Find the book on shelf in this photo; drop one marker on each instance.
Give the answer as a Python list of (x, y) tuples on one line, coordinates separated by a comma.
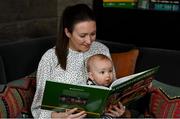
[(165, 5), (94, 99), (143, 4), (120, 4), (119, 0)]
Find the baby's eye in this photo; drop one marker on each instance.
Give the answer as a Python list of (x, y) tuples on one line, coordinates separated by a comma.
[(110, 71), (102, 72)]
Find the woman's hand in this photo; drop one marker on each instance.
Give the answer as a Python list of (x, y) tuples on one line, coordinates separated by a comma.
[(116, 110), (70, 114)]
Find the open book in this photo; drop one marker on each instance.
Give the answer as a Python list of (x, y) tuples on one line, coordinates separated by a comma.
[(94, 99)]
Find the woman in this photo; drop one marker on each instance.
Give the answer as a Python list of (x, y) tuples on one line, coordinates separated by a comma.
[(65, 62)]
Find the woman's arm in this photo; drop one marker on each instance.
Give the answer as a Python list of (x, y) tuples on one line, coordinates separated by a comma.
[(43, 73)]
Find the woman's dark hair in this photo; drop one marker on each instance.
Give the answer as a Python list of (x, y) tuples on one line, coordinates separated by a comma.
[(70, 17)]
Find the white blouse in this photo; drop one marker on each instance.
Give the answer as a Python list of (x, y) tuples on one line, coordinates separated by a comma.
[(75, 73)]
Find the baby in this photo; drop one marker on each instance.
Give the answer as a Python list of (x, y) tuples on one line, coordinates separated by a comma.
[(100, 72)]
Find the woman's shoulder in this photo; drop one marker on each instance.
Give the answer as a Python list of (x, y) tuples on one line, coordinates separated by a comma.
[(98, 48), (99, 45), (49, 53)]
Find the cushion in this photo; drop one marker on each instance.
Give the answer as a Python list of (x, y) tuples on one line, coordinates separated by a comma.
[(11, 103), (16, 98), (125, 62), (164, 101)]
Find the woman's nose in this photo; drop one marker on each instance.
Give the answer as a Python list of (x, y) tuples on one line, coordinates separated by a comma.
[(88, 40)]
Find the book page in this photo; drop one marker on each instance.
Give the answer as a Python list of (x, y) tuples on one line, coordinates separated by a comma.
[(132, 87), (126, 78)]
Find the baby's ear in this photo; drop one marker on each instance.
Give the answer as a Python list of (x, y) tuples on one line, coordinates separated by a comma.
[(90, 75)]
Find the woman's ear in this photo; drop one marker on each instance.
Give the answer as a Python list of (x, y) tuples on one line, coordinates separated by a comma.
[(68, 34)]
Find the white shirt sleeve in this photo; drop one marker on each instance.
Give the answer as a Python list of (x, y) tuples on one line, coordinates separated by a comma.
[(43, 73)]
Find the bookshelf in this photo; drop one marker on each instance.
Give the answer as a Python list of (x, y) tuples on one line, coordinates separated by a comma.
[(142, 27)]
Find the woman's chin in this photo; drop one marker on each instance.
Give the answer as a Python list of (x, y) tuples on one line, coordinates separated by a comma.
[(84, 49)]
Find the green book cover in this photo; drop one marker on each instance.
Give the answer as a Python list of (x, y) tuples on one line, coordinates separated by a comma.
[(120, 4), (94, 99), (61, 96)]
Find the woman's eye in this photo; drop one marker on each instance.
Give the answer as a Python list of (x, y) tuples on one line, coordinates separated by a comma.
[(93, 34), (82, 36), (110, 71)]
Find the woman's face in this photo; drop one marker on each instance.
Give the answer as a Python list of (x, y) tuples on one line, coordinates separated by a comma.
[(82, 36)]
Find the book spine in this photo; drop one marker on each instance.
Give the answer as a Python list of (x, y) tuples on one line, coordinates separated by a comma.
[(119, 0), (166, 1), (143, 4), (120, 4), (165, 5)]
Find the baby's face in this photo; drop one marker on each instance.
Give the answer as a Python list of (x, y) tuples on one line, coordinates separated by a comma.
[(102, 72)]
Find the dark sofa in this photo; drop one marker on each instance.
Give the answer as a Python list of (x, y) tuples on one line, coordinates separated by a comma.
[(19, 59), (168, 60)]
